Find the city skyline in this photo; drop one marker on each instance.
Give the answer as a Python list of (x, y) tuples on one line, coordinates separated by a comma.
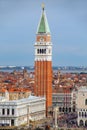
[(18, 25)]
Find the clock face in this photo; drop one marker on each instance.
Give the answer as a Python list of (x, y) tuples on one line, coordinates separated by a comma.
[(41, 39)]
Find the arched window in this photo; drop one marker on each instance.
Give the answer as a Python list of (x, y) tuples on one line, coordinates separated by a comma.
[(44, 51), (85, 114), (63, 109), (79, 113), (82, 114), (59, 109), (66, 109), (40, 51), (37, 51), (81, 123), (70, 109), (86, 102), (86, 123)]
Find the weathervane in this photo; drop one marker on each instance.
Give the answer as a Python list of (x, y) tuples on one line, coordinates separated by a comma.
[(43, 6)]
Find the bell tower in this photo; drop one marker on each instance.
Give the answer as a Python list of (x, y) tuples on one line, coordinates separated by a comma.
[(43, 60)]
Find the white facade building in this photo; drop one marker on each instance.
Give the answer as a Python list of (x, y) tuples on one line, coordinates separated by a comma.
[(81, 104), (18, 112)]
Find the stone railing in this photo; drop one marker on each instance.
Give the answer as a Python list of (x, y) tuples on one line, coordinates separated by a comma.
[(68, 129)]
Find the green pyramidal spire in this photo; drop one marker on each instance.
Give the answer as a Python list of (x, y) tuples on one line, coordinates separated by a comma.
[(43, 26)]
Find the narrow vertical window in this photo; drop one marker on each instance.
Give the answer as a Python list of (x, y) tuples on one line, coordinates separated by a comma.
[(37, 51), (40, 51), (7, 111), (12, 111), (12, 122), (86, 102), (45, 51), (3, 111), (80, 114)]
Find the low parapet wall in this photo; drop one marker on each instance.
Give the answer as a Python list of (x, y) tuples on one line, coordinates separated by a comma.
[(71, 129)]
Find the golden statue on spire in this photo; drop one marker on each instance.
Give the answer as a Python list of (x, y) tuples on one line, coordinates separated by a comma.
[(43, 6)]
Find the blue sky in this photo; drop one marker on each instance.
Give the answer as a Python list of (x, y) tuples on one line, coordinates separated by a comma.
[(68, 24)]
